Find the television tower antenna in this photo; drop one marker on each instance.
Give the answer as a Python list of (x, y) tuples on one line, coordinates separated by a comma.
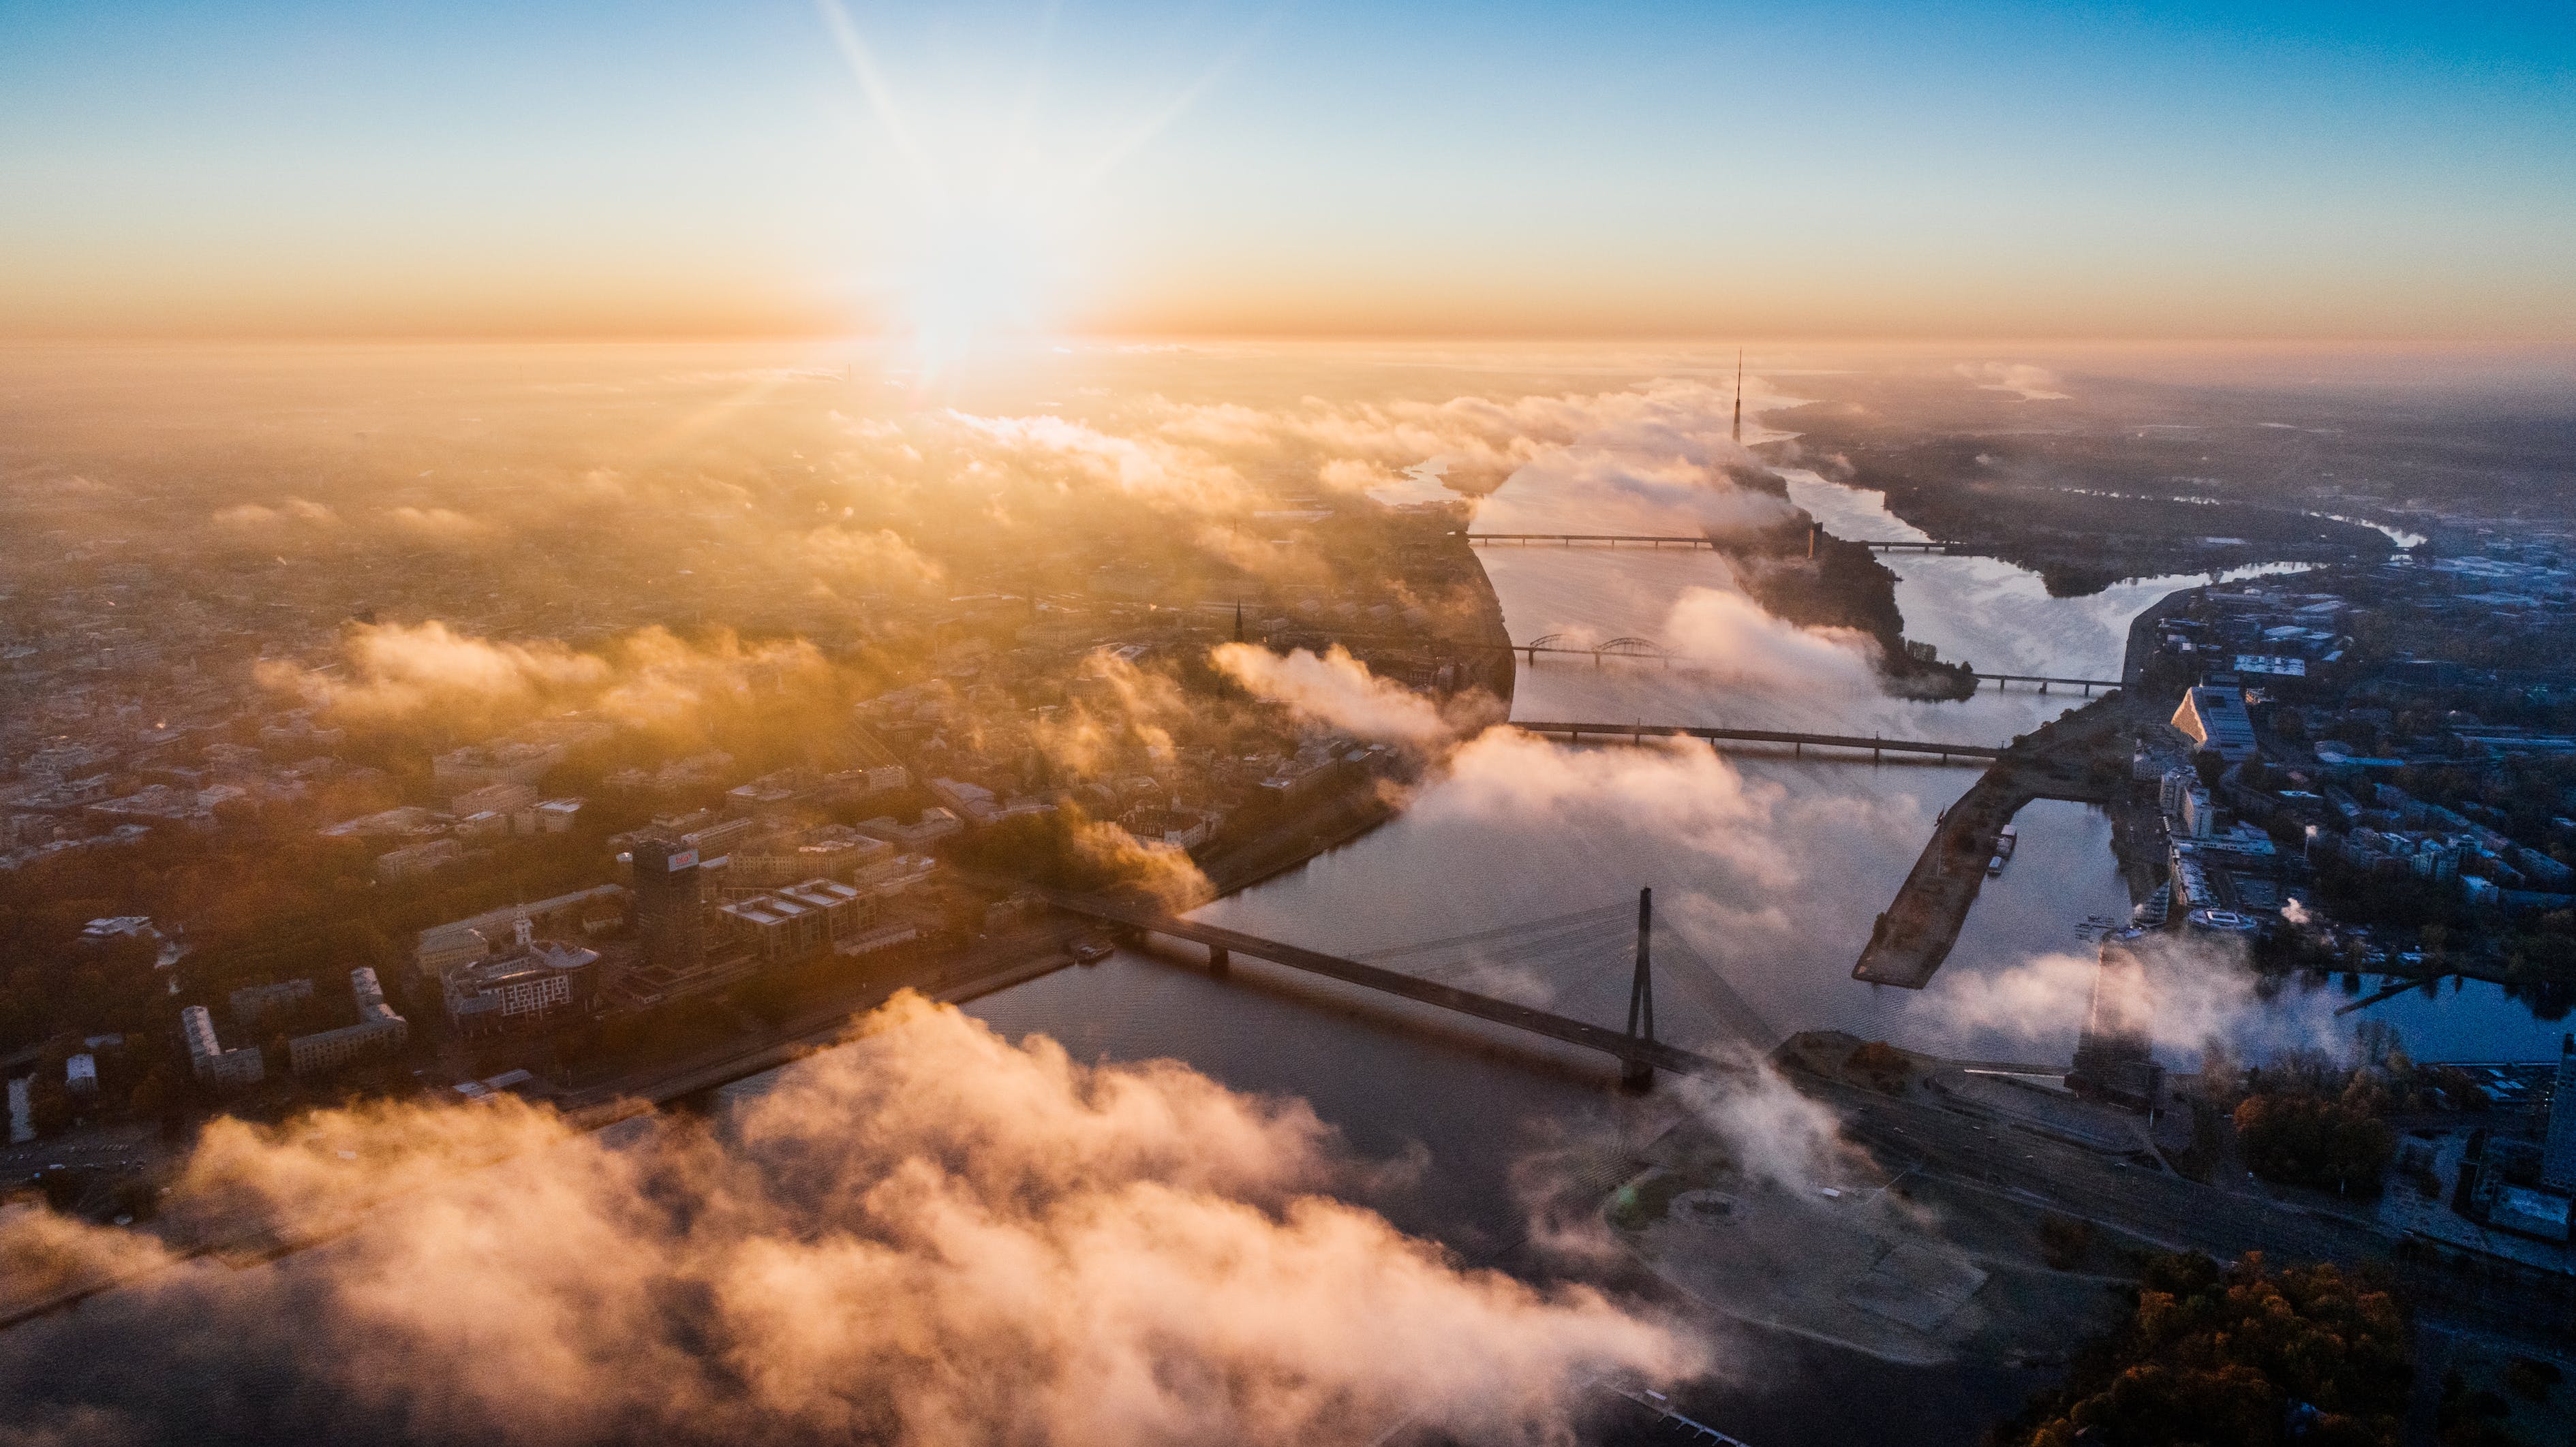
[(1739, 396)]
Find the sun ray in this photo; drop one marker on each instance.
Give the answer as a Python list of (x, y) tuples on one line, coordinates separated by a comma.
[(863, 65)]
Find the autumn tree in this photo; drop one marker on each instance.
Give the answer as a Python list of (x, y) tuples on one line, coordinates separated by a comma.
[(2236, 1356)]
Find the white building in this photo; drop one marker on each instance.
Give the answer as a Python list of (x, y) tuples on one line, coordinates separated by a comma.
[(537, 981)]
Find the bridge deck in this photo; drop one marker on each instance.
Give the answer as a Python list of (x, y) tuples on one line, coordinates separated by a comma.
[(2044, 678), (1696, 540), (1764, 736), (1627, 1048), (1877, 545)]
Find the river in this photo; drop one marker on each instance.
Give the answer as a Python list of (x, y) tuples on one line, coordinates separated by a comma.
[(1770, 869)]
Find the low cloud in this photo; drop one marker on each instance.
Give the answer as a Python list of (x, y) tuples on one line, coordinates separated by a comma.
[(1148, 467), (439, 524), (396, 669), (934, 1237), (1680, 791), (1164, 871), (1339, 690), (251, 517), (1777, 1133), (2194, 992), (878, 559), (1591, 488), (2031, 384), (399, 670), (1124, 708), (1728, 633)]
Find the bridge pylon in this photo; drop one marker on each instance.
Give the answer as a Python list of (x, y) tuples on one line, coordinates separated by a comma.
[(1637, 1074)]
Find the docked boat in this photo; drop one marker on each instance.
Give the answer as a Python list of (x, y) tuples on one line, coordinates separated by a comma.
[(1088, 951)]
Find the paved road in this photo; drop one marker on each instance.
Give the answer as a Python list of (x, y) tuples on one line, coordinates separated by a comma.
[(979, 971), (1991, 1154)]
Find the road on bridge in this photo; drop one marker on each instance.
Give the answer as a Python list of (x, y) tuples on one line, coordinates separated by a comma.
[(1639, 732), (1629, 1049)]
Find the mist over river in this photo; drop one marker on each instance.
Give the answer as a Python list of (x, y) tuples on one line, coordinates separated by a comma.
[(1769, 869)]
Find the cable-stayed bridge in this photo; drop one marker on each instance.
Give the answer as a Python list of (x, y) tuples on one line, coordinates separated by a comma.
[(1502, 958)]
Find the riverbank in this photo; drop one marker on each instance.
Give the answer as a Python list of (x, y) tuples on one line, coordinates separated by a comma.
[(2068, 758)]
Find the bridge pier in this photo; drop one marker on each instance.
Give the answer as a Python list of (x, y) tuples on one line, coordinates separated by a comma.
[(1220, 960)]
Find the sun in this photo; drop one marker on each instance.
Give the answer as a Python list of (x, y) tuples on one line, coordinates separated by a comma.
[(974, 279)]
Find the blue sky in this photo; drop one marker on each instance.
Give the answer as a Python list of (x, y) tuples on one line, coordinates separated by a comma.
[(1830, 170)]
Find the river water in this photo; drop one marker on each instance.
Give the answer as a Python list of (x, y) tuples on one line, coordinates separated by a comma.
[(1771, 869), (1768, 869)]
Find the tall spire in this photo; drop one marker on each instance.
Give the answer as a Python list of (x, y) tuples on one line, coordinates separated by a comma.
[(1739, 396)]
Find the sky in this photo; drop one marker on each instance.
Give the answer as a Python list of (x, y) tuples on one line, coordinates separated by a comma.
[(829, 167)]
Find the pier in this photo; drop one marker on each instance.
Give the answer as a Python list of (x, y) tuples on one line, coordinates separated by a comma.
[(1911, 939)]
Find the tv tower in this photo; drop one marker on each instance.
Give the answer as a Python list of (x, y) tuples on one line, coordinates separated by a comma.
[(1739, 396)]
